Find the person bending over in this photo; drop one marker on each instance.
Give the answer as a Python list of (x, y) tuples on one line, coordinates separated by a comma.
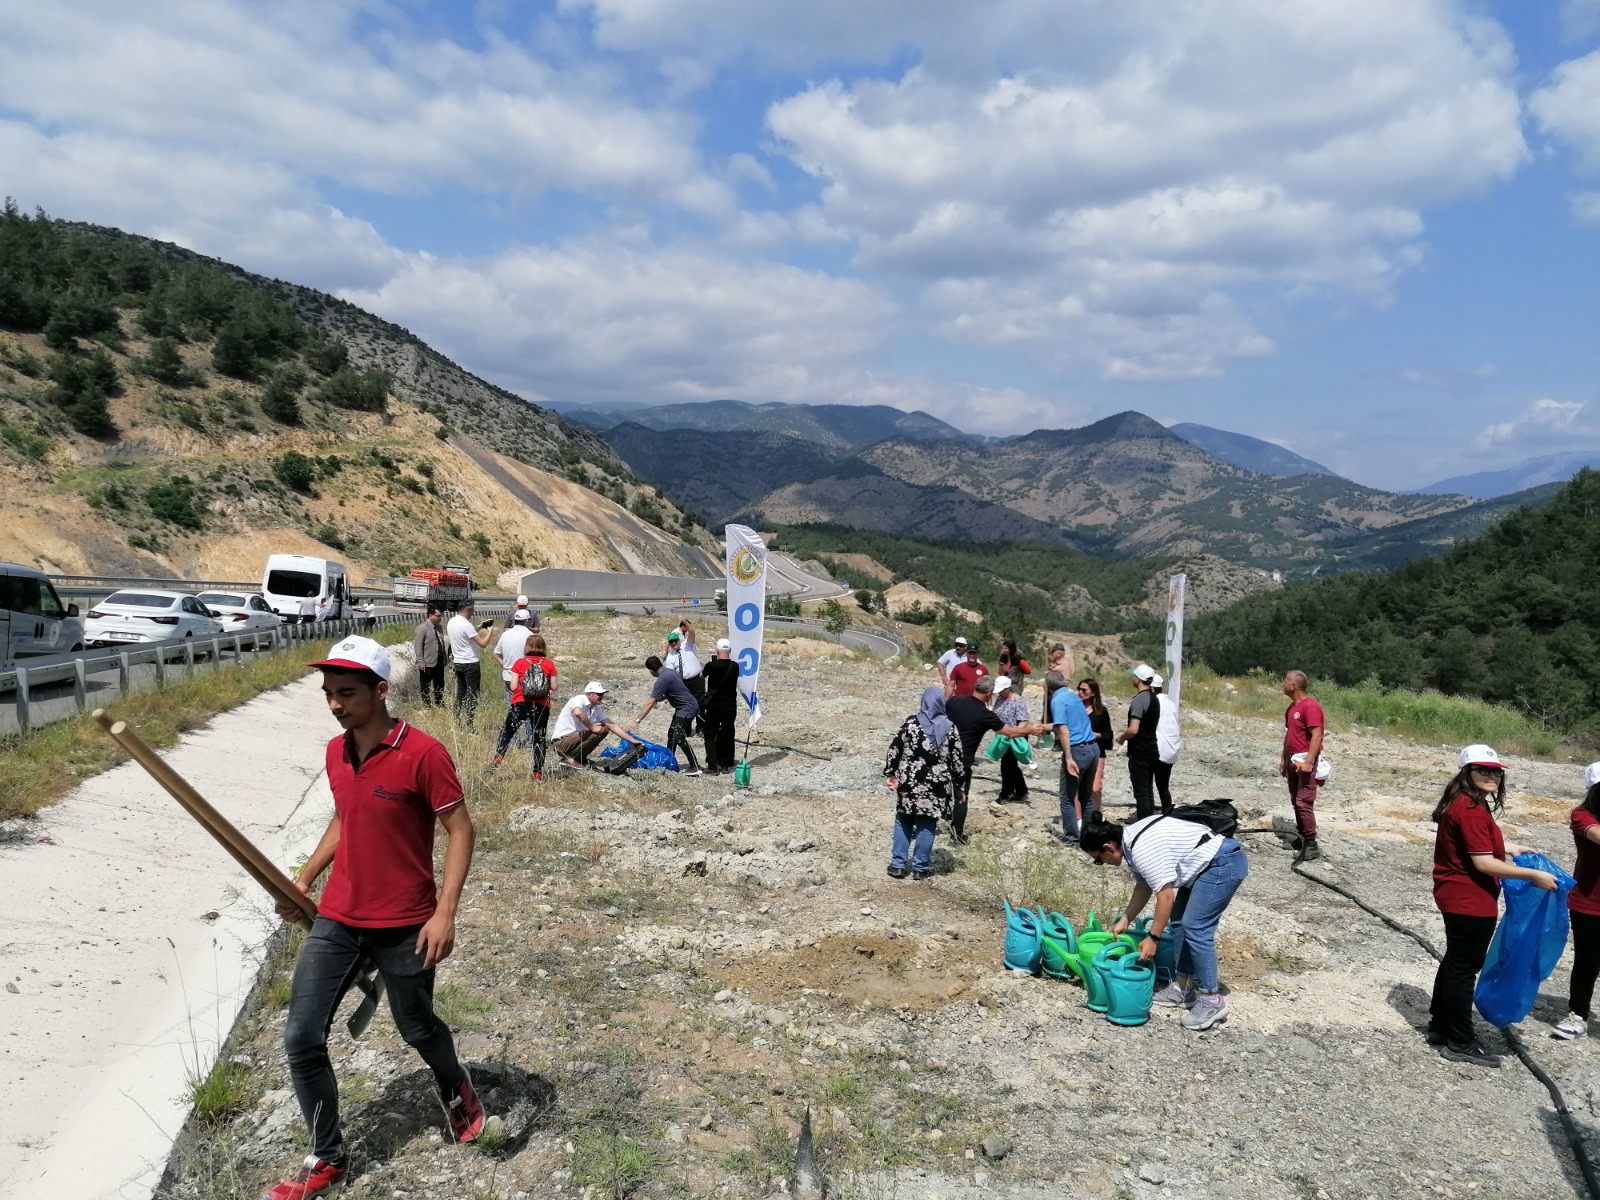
[(670, 687), (391, 785), (583, 725)]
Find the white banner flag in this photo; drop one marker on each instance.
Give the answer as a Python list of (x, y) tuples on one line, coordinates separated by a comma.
[(1174, 664), (747, 611)]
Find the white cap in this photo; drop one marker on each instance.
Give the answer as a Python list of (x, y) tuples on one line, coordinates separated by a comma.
[(520, 615), (1002, 683), (359, 653), (1591, 774), (724, 644), (961, 641), (1479, 755), (594, 685), (522, 602), (1144, 673), (1157, 681)]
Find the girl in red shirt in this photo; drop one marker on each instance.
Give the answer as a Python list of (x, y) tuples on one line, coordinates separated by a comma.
[(529, 704), (1469, 861), (1583, 909)]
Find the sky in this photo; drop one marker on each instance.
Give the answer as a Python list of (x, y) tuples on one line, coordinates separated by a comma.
[(1369, 231)]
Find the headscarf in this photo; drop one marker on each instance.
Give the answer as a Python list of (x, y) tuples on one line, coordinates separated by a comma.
[(932, 719)]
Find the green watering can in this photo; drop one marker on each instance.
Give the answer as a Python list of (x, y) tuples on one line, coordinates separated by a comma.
[(741, 774), (1091, 944), (1128, 984), (1060, 948)]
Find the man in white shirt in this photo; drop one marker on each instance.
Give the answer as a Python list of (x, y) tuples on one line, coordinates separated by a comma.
[(680, 656), (583, 725), (1168, 742), (1193, 873), (948, 660), (524, 613), (509, 648), (466, 639)]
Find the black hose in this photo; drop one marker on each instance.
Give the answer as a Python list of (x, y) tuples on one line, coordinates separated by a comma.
[(1574, 1138)]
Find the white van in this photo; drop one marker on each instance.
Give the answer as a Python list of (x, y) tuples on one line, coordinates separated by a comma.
[(33, 621), (300, 588)]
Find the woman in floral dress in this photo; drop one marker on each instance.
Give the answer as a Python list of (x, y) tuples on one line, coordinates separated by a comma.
[(924, 771)]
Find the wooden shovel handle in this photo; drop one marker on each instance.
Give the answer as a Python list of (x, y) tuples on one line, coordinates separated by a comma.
[(261, 868)]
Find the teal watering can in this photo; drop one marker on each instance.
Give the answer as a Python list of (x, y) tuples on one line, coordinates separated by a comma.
[(1024, 939), (1129, 984), (1060, 958), (1166, 960)]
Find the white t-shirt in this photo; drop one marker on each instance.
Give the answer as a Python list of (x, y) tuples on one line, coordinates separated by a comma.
[(463, 644), (1171, 853), (509, 648), (684, 661), (567, 723), (1168, 740), (950, 658)]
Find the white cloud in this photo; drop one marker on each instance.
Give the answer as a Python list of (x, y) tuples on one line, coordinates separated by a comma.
[(1568, 107), (1542, 417)]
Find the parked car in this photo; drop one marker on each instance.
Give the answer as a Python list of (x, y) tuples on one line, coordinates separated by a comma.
[(146, 616), (33, 621), (242, 612)]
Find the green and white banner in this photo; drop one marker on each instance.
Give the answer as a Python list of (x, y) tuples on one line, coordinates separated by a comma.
[(1174, 664), (747, 611)]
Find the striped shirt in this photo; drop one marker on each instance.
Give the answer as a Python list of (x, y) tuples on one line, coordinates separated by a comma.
[(1171, 853)]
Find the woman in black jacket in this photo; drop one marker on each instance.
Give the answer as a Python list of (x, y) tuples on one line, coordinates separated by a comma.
[(1100, 722)]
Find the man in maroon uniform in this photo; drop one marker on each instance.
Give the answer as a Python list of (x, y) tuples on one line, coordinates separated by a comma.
[(390, 783), (1303, 724)]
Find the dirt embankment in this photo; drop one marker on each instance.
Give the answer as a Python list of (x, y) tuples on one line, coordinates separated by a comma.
[(656, 976)]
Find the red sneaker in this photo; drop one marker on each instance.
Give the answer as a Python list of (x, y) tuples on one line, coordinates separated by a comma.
[(312, 1179), (465, 1113), (537, 777)]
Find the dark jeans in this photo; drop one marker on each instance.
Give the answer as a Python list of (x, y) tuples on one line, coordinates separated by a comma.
[(1087, 756), (721, 723), (469, 682), (1585, 961), (697, 689), (1013, 784), (1466, 943), (578, 746), (324, 972), (432, 681), (537, 718), (1142, 775), (1164, 785), (678, 736)]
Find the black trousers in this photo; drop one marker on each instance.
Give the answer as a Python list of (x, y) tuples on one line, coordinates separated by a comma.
[(324, 972), (1466, 944), (721, 722), (1585, 961), (1142, 775), (697, 689), (432, 682), (1164, 785), (1013, 784), (537, 718), (469, 682), (678, 735)]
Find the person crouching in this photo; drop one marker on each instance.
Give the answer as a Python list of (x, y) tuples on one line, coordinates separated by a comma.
[(1192, 872)]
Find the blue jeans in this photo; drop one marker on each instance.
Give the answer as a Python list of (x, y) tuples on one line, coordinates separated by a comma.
[(908, 826), (1200, 907), (1087, 756)]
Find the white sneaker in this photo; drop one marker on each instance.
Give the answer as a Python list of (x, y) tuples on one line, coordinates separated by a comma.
[(1173, 996), (1205, 1012), (691, 774), (1573, 1028)]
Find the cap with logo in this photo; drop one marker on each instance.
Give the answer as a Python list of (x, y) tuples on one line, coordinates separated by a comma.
[(594, 685), (359, 654), (1479, 755)]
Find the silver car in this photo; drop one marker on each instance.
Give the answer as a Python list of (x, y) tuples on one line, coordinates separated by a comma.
[(242, 612), (145, 615)]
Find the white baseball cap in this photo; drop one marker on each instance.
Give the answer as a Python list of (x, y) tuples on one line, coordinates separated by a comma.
[(724, 644), (1157, 681), (1002, 684), (961, 641), (359, 654), (594, 685), (1144, 673), (1479, 755), (1591, 774), (520, 615), (522, 601)]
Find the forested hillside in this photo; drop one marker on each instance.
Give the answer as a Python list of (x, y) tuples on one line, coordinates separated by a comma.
[(1510, 616)]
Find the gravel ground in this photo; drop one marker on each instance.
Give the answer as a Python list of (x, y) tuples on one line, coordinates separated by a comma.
[(655, 976)]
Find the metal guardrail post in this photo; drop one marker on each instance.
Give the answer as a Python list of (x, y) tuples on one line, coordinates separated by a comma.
[(161, 667), (80, 685), (238, 651), (216, 654), (188, 657), (24, 702), (124, 672)]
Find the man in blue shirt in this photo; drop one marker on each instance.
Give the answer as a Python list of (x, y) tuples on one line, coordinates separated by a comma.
[(1081, 752)]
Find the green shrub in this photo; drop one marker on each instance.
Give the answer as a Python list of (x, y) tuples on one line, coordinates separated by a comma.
[(176, 502), (329, 535), (29, 445), (295, 471), (163, 363), (357, 391)]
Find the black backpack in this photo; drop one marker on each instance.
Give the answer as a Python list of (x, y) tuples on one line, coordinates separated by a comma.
[(535, 683), (1219, 816)]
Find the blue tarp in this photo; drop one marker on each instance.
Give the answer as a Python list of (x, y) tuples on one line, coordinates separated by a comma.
[(1527, 944), (654, 756)]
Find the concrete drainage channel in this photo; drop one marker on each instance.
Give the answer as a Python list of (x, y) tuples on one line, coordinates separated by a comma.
[(62, 686)]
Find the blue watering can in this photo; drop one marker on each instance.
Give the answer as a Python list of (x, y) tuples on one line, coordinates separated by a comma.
[(1129, 984), (1024, 939), (1060, 959)]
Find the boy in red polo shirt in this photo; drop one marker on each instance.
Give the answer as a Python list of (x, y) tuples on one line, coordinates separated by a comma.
[(390, 783), (964, 676)]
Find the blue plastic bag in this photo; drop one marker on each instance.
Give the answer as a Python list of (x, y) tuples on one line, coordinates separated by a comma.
[(1527, 944), (654, 756)]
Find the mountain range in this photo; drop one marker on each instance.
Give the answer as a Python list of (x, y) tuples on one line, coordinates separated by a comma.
[(1530, 473), (838, 426), (1253, 454)]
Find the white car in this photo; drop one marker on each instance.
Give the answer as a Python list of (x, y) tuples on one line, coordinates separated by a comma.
[(145, 616), (242, 612)]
